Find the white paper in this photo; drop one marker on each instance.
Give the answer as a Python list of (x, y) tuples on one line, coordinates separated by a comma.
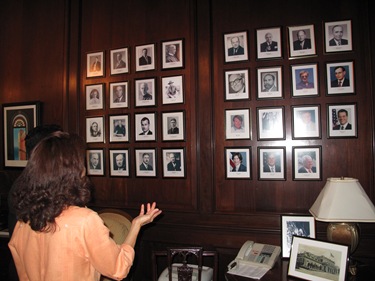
[(248, 270)]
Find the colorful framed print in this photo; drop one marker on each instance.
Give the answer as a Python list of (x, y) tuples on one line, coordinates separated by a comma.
[(119, 162), (269, 43), (145, 94), (119, 128), (95, 64), (270, 83), (305, 80), (173, 126), (301, 41), (342, 120), (95, 129), (145, 162), (94, 96), (270, 122), (145, 126), (172, 89), (95, 162), (340, 78), (237, 84), (307, 163), (119, 61), (306, 122), (338, 36), (173, 163), (237, 162), (235, 46), (271, 163), (145, 57), (238, 124), (119, 95), (172, 54)]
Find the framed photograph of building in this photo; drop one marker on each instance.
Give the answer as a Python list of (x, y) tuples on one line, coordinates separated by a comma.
[(342, 120), (94, 96), (119, 94), (340, 78), (238, 124), (269, 43), (237, 162), (119, 162), (307, 163), (95, 129), (95, 162), (305, 80), (235, 46), (173, 126), (119, 61), (306, 122), (301, 41), (270, 121), (145, 162), (172, 54), (145, 57), (145, 94), (119, 128), (145, 126), (338, 36), (271, 163), (270, 83), (237, 84), (95, 66), (173, 163), (172, 89)]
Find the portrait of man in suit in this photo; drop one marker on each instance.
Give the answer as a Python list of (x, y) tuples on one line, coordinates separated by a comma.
[(341, 79), (94, 161), (344, 124), (119, 62), (174, 163), (269, 45), (145, 125), (302, 41), (236, 48), (269, 82), (307, 164), (119, 162), (145, 59), (271, 165), (119, 95), (337, 36), (146, 165)]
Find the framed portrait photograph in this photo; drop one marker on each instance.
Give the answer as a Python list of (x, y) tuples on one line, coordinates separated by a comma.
[(95, 129), (237, 124), (307, 163), (145, 126), (172, 89), (342, 120), (306, 122), (237, 162), (338, 36), (145, 162), (119, 128), (95, 162), (145, 94), (270, 123), (271, 163), (237, 84), (145, 57), (173, 126), (119, 94), (172, 54), (95, 64), (269, 43), (302, 226), (94, 96), (19, 119), (312, 259), (173, 163), (235, 46), (301, 41), (119, 162), (340, 78), (270, 82), (305, 80), (119, 61)]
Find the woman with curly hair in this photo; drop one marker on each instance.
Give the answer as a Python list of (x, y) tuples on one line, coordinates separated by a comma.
[(56, 236)]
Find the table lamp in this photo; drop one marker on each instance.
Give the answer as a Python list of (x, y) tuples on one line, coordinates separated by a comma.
[(343, 203)]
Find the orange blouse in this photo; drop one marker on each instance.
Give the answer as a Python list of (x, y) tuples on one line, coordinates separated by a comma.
[(80, 249)]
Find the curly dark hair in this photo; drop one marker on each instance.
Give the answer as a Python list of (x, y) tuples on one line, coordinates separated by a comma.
[(53, 180)]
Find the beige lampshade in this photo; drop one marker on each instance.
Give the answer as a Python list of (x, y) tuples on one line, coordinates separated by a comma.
[(343, 200)]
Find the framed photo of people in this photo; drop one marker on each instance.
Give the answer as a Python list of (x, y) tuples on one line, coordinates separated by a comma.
[(119, 61), (145, 126), (305, 80), (119, 128), (172, 89), (235, 46), (119, 95), (270, 123), (172, 54), (307, 163), (270, 83), (173, 126), (173, 163), (145, 57), (145, 94), (237, 162), (269, 43), (94, 96), (301, 41), (95, 162), (237, 124), (306, 122), (237, 84), (271, 163), (340, 78), (119, 162), (342, 120), (145, 162), (95, 129), (338, 36), (95, 66)]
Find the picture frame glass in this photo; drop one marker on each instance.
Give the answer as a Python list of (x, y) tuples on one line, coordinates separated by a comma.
[(301, 41), (145, 129), (95, 129), (145, 160), (172, 89), (307, 163), (118, 94), (270, 83), (95, 162), (269, 43), (173, 126), (119, 162), (119, 61), (173, 163), (340, 78), (305, 80), (145, 94), (235, 47), (172, 54), (145, 57), (95, 65), (342, 120), (271, 123), (238, 125), (306, 122), (94, 96), (237, 84), (271, 163), (119, 128), (238, 163), (338, 36)]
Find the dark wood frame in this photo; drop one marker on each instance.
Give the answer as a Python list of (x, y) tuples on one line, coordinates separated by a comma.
[(262, 175), (122, 173)]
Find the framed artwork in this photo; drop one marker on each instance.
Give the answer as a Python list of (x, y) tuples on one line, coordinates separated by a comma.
[(119, 162), (338, 36), (145, 57), (95, 66), (306, 122), (238, 125), (235, 46), (237, 162), (172, 89), (237, 84), (305, 80), (301, 41), (270, 122), (173, 163), (312, 259), (119, 128), (119, 61), (269, 44), (173, 126), (145, 94), (271, 163), (342, 120), (172, 54), (270, 83), (95, 129), (340, 78), (145, 129), (94, 96), (118, 95), (19, 119), (145, 162), (95, 162), (302, 226), (307, 163)]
